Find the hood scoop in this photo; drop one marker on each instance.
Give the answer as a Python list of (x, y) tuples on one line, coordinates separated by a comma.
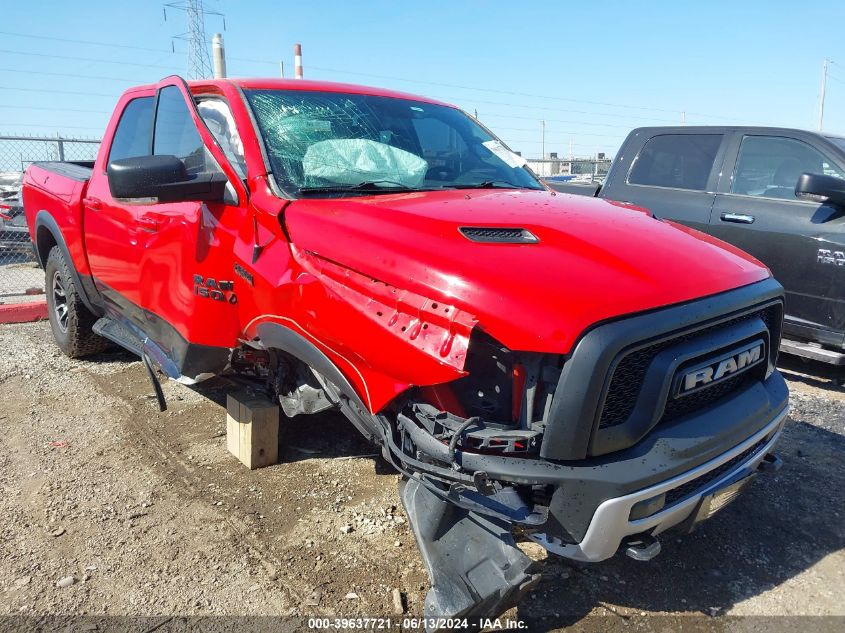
[(498, 235)]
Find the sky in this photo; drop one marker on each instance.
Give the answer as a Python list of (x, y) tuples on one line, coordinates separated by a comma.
[(591, 70)]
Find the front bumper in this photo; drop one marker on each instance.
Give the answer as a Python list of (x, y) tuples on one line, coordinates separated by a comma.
[(612, 524)]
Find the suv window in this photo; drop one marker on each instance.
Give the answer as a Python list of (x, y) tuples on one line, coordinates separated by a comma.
[(769, 166), (679, 161), (132, 136), (176, 134)]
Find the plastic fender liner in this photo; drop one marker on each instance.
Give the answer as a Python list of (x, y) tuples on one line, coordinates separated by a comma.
[(274, 335), (476, 570)]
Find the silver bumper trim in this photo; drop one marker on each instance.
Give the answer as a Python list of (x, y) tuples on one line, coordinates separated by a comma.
[(611, 523)]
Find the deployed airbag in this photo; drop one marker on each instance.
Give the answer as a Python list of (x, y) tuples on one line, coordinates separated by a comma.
[(350, 161)]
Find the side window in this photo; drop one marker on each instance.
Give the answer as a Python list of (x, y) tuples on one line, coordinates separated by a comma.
[(176, 134), (437, 138), (679, 161), (132, 136), (769, 166), (441, 146), (218, 117)]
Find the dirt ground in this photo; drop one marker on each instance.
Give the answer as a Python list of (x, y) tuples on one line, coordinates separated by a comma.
[(109, 507)]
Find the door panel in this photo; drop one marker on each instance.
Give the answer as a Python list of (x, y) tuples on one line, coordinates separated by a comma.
[(111, 239), (761, 215), (186, 263), (674, 175)]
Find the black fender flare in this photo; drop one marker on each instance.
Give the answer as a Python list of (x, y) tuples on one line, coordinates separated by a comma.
[(46, 222), (274, 335)]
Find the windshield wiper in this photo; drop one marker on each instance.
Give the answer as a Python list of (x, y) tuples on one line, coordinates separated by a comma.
[(369, 186), (488, 184)]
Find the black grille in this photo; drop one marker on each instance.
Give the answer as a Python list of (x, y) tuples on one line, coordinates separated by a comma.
[(499, 235), (629, 375), (700, 399), (694, 485)]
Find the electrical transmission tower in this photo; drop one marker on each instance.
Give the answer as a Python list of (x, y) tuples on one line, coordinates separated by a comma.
[(199, 59)]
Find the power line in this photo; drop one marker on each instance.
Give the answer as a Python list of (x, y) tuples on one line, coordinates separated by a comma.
[(86, 59), (126, 46), (835, 78), (493, 90), (110, 95), (12, 107), (97, 77), (52, 126), (523, 129), (393, 78), (90, 42), (522, 94), (554, 109), (487, 115)]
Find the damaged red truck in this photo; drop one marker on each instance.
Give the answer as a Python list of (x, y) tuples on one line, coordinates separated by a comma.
[(570, 369)]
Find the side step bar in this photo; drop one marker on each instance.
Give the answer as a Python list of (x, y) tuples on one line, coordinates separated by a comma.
[(118, 333), (126, 336), (813, 352), (476, 570)]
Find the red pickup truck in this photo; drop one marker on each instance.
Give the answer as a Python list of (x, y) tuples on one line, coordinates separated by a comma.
[(573, 367)]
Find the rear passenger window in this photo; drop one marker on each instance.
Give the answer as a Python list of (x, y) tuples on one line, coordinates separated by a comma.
[(769, 166), (679, 161), (177, 135), (132, 136)]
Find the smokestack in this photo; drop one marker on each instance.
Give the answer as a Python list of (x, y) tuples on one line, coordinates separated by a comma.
[(297, 60), (219, 55)]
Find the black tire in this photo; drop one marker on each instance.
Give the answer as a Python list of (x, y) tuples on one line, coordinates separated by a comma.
[(70, 320)]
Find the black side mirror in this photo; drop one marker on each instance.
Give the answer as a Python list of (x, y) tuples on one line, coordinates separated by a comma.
[(830, 188), (163, 178)]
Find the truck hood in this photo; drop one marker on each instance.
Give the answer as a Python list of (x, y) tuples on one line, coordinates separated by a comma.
[(594, 260)]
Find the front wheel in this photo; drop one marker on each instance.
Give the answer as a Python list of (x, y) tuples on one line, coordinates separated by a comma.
[(70, 320)]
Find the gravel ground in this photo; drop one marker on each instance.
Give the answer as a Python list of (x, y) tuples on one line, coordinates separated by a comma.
[(109, 507)]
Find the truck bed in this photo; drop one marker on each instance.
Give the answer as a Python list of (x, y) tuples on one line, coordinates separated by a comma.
[(55, 189), (577, 188), (75, 170)]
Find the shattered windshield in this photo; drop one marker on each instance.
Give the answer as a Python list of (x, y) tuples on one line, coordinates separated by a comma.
[(325, 143)]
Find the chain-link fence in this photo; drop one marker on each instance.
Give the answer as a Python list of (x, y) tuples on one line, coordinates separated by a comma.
[(20, 277), (575, 168)]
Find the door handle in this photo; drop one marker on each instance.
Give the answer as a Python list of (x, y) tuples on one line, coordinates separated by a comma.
[(92, 203), (149, 223), (738, 218)]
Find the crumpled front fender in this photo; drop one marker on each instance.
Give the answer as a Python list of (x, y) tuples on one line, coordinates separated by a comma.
[(382, 338)]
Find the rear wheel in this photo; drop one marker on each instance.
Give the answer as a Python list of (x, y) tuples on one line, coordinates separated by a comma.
[(70, 320)]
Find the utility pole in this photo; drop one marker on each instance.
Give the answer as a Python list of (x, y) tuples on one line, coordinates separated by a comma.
[(282, 68), (683, 117), (219, 55), (821, 94), (199, 60), (542, 139), (199, 64)]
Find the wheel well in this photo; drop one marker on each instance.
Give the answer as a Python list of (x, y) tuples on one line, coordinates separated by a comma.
[(44, 243)]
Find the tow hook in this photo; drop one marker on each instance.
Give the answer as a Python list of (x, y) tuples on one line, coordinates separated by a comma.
[(771, 463), (642, 547)]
